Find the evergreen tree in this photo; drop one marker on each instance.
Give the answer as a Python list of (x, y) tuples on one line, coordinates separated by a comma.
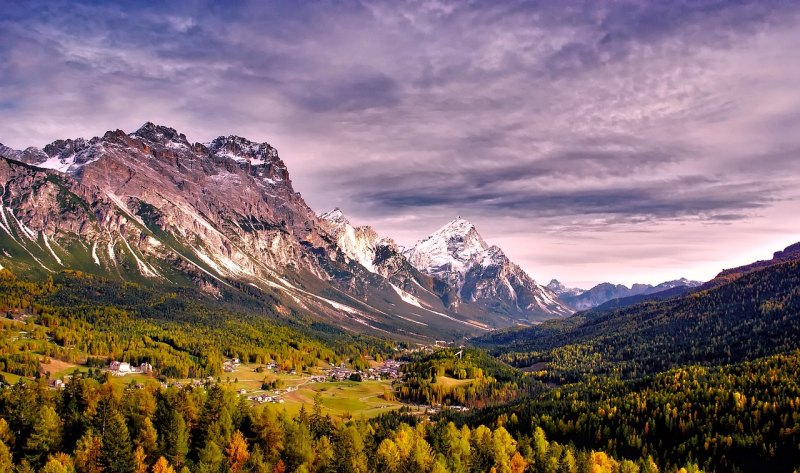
[(88, 452), (175, 439), (116, 454), (162, 466), (46, 436), (6, 462)]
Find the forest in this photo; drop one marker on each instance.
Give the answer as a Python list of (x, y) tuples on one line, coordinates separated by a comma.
[(94, 426), (706, 382), (479, 380), (180, 334), (753, 316)]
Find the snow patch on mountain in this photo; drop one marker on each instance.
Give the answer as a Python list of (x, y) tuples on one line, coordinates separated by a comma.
[(407, 298), (357, 243)]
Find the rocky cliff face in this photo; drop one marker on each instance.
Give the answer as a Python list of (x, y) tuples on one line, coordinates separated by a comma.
[(482, 275), (153, 207)]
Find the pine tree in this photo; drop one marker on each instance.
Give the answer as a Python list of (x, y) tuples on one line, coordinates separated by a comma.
[(299, 446), (46, 435), (6, 462), (210, 459), (116, 455), (350, 456), (175, 439), (147, 437)]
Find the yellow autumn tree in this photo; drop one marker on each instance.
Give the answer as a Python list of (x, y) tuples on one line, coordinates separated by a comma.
[(162, 466), (599, 462), (237, 452), (58, 463), (139, 460), (388, 456), (518, 463)]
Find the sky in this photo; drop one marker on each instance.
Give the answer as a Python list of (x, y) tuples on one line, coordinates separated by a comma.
[(592, 141)]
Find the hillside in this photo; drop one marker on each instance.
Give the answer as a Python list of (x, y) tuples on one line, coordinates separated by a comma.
[(755, 315)]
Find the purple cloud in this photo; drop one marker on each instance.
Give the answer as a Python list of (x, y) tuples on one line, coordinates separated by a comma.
[(577, 130)]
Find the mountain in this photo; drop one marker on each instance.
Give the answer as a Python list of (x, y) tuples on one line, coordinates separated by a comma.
[(604, 292), (151, 207), (560, 289), (483, 275), (639, 298), (382, 256), (754, 315), (790, 253)]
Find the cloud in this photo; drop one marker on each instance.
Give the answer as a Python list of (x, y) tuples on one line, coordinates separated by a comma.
[(580, 124)]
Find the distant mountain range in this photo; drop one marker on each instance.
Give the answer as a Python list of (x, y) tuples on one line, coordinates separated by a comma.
[(744, 313), (580, 299), (151, 207)]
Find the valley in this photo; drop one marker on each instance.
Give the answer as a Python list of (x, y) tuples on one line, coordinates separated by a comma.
[(184, 298)]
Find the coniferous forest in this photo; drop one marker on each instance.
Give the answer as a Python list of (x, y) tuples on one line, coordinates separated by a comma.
[(587, 393)]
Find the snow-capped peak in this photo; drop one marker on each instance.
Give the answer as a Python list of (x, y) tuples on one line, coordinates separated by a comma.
[(450, 249), (335, 216), (559, 288), (458, 254), (457, 226)]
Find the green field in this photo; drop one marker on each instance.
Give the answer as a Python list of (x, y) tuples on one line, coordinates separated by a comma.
[(10, 378), (339, 399), (344, 398)]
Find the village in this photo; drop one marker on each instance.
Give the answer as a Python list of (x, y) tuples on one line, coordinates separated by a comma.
[(249, 380), (341, 390)]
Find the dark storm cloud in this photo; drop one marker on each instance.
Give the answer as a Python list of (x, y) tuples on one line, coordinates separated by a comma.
[(665, 199)]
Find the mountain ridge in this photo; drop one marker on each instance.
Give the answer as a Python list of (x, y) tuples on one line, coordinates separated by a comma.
[(583, 299), (151, 207)]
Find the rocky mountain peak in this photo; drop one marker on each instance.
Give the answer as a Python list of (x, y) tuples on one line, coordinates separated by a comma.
[(481, 273), (159, 134), (556, 286), (457, 226), (29, 155), (449, 249), (335, 216), (493, 256), (243, 150)]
